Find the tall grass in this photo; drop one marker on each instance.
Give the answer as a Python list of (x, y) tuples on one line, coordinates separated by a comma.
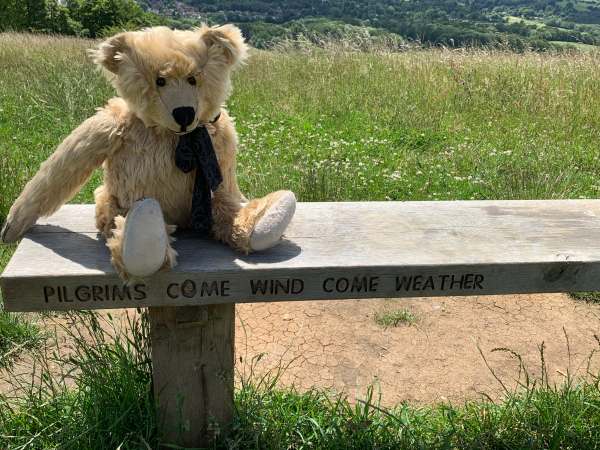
[(420, 125), (112, 405), (346, 125), (101, 398), (47, 87)]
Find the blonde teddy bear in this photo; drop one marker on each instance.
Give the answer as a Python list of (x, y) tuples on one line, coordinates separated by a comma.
[(168, 151)]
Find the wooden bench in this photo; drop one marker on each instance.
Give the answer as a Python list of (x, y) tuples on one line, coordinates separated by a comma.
[(331, 251)]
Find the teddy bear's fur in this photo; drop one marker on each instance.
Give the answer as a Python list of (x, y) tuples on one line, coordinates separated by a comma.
[(135, 135)]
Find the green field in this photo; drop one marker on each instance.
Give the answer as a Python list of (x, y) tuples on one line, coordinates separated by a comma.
[(329, 125), (419, 125)]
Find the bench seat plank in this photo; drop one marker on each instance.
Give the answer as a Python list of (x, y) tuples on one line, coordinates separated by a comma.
[(331, 251)]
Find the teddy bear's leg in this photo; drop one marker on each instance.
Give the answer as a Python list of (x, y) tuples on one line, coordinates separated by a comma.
[(140, 242), (256, 225)]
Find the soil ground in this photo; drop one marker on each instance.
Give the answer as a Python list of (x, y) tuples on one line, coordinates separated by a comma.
[(338, 345)]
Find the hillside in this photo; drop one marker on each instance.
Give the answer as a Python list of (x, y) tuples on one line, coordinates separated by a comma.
[(517, 23), (513, 24)]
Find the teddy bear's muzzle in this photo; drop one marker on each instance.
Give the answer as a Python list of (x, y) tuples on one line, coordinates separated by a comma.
[(184, 116)]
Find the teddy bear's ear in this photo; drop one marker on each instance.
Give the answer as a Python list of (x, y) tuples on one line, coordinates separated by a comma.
[(108, 53), (228, 39)]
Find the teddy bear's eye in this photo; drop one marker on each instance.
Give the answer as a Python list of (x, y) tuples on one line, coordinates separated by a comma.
[(160, 81), (192, 81)]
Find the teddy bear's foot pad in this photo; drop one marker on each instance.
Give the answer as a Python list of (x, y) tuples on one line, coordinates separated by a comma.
[(270, 227), (145, 239)]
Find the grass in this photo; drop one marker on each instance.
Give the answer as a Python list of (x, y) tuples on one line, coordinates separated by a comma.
[(516, 19), (395, 318), (536, 419), (348, 126), (578, 45), (112, 407), (418, 125), (16, 335), (591, 297)]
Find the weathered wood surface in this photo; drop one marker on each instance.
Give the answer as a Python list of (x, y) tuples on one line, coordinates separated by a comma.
[(192, 370), (332, 251)]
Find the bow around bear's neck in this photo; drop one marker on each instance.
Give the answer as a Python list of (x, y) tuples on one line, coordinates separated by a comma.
[(195, 151)]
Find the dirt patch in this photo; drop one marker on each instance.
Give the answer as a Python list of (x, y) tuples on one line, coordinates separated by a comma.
[(338, 345)]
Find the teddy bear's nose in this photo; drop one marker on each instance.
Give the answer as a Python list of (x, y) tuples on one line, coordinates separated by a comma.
[(184, 115)]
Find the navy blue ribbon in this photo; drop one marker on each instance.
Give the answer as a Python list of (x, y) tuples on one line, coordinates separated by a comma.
[(195, 151)]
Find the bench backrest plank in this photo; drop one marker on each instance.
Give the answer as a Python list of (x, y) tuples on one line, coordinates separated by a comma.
[(332, 251)]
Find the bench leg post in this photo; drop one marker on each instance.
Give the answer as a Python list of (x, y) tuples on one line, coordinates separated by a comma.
[(193, 362)]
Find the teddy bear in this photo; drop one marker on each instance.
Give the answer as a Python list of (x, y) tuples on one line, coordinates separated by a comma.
[(168, 150)]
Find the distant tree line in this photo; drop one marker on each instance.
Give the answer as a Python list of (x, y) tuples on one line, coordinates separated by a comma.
[(88, 18), (517, 24)]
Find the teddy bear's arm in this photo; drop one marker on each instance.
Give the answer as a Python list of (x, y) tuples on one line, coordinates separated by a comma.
[(62, 174)]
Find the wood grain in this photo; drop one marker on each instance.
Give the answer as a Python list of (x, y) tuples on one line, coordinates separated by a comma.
[(381, 249), (192, 370)]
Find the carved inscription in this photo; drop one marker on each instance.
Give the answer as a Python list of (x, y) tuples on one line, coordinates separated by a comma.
[(277, 286), (271, 288), (352, 285), (94, 293), (198, 289), (449, 282)]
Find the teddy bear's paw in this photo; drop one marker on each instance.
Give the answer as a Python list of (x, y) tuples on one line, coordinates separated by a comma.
[(270, 227), (16, 227), (145, 240)]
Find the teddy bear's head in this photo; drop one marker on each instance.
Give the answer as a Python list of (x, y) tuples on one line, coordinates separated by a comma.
[(173, 79)]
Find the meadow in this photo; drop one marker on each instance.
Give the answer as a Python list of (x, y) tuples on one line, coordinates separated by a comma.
[(339, 125), (329, 124)]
